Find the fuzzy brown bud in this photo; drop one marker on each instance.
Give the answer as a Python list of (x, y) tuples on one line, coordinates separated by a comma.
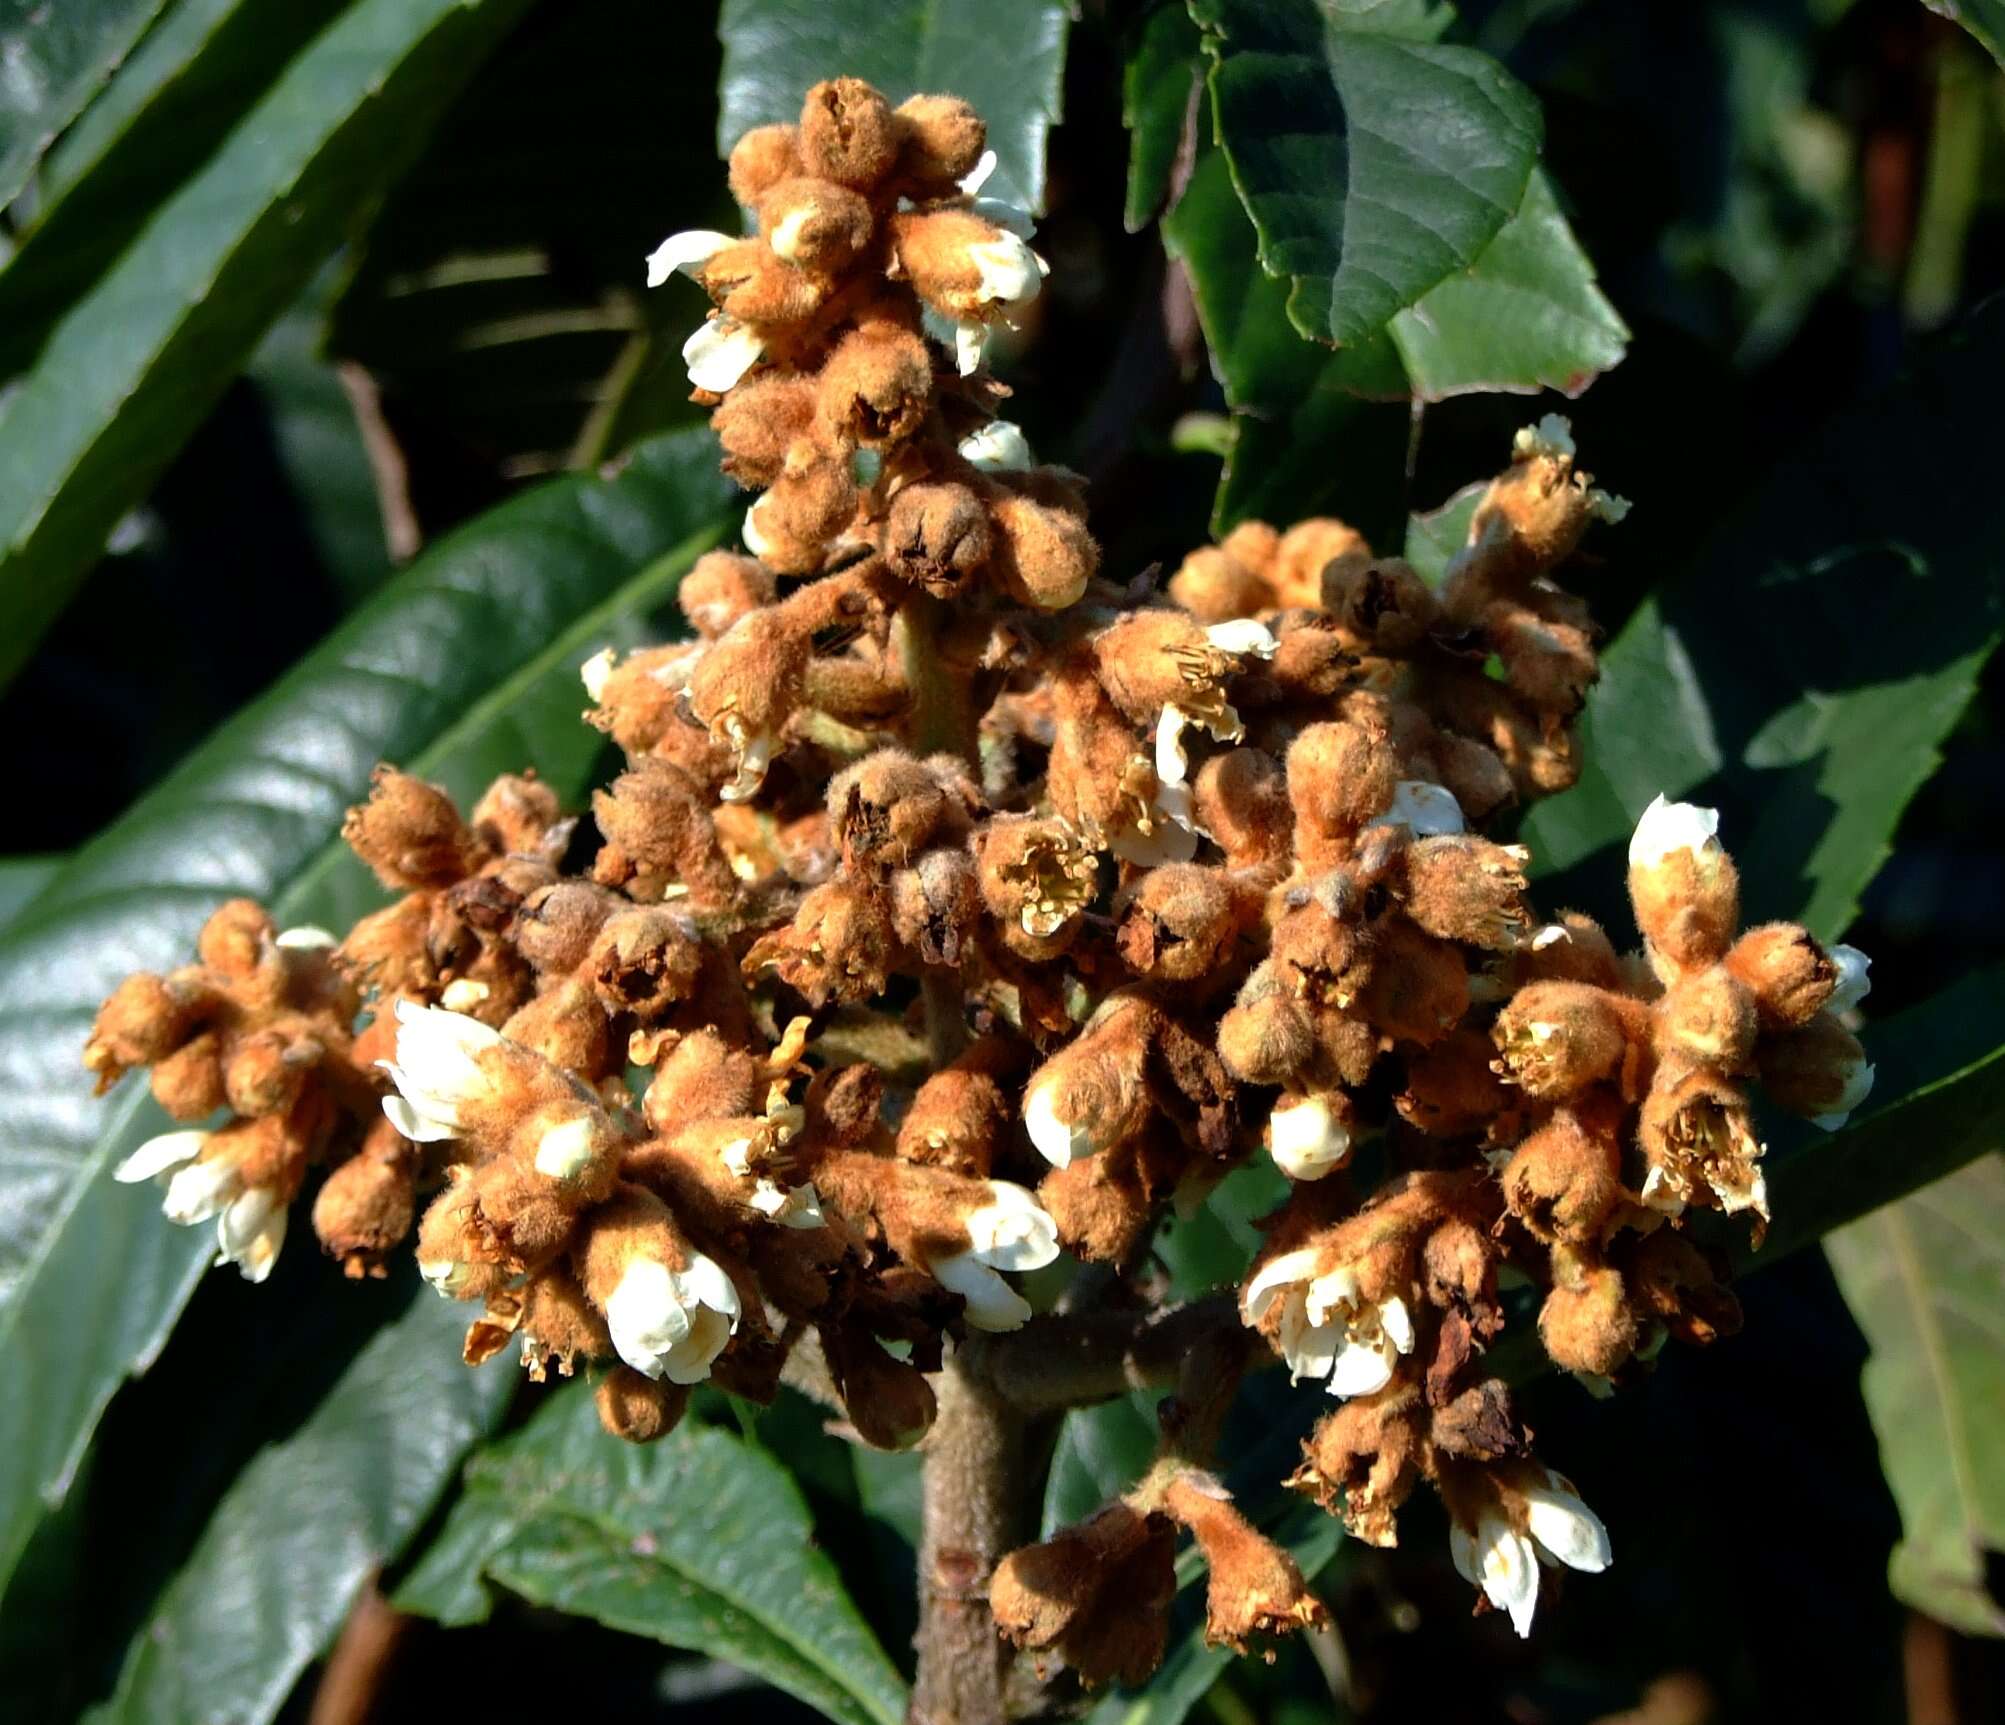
[(937, 536), (366, 1206), (641, 1409), (409, 833), (722, 586), (1587, 1324), (1255, 1587), (760, 160), (847, 133), (941, 141), (1788, 973), (1557, 1038)]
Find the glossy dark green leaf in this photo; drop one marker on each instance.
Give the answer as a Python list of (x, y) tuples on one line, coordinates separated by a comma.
[(308, 1522), (1157, 87), (55, 58), (131, 369), (1375, 162), (20, 879), (1007, 60), (1434, 536), (165, 109), (1101, 1452), (700, 1541), (1926, 1280), (320, 447), (1803, 675), (464, 665)]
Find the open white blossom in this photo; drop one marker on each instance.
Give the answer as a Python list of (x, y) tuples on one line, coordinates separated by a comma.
[(250, 1220), (1013, 1231), (673, 1323), (1427, 810), (1854, 979), (1305, 1137), (1667, 828), (1504, 1563), (438, 1071), (684, 251), (1007, 271), (1059, 1140), (999, 447), (719, 352), (790, 1206), (1328, 1330)]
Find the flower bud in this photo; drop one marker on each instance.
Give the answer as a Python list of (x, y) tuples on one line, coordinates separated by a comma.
[(566, 1025), (1683, 885), (144, 1021), (814, 224), (1573, 949), (937, 536), (1557, 1038), (637, 700), (637, 1408), (1340, 776), (1047, 557), (1306, 551), (746, 687), (557, 924), (1093, 1093), (875, 388), (1818, 1071), (366, 1206), (1452, 1089), (1418, 987), (1255, 1587), (1471, 772), (1182, 922), (1311, 1136), (963, 265), (559, 1326), (1265, 1038), (936, 906), (188, 1083), (1240, 800), (658, 832), (941, 139), (789, 529), (1106, 1206), (759, 423), (1464, 888), (956, 1120), (1549, 664), (1587, 1325), (847, 133), (1707, 1018), (409, 833), (1098, 1592), (1382, 604), (888, 1400), (1214, 587), (643, 961), (1791, 977), (839, 946), (1676, 1284), (1362, 1462), (722, 586), (1564, 1182), (265, 1071), (703, 1079)]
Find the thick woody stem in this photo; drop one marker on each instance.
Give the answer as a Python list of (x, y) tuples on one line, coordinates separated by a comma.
[(1072, 1359), (976, 1507)]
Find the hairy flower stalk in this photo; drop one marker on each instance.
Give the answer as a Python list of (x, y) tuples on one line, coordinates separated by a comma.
[(1176, 881)]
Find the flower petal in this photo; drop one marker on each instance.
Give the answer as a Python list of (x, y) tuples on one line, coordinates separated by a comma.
[(719, 352), (684, 251), (1013, 1231), (1565, 1527), (992, 1304), (1667, 828), (160, 1155)]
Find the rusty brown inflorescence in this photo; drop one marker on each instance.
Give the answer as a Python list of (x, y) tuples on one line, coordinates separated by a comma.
[(1199, 875)]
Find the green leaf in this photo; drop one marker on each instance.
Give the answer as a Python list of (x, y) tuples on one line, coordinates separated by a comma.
[(1156, 87), (134, 366), (320, 446), (1938, 1102), (1101, 1452), (56, 57), (1803, 675), (700, 1541), (1926, 1280), (20, 879), (1006, 60), (1984, 19), (165, 110), (1294, 406), (308, 1522), (464, 665), (1525, 315), (1374, 162)]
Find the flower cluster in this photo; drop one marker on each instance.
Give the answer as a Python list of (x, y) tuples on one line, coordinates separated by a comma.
[(1174, 880)]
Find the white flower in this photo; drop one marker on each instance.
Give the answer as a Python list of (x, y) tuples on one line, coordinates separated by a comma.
[(673, 1323), (307, 938), (1165, 833), (595, 670), (999, 447), (756, 539), (684, 251), (1059, 1141), (1428, 810), (1858, 1086), (719, 352), (1327, 1329), (978, 176), (1305, 1137), (1013, 1231), (1247, 636), (250, 1220), (1854, 982), (1667, 828), (463, 994), (1007, 271), (567, 1149), (447, 1275), (1553, 435), (791, 1207), (754, 750), (437, 1070), (1504, 1563)]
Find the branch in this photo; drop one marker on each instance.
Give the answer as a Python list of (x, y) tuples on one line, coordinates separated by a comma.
[(1072, 1359)]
